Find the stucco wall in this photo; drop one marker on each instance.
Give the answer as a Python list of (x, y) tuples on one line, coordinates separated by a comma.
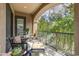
[(76, 28), (2, 27)]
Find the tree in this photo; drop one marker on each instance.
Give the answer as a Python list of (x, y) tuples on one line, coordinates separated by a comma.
[(60, 21), (43, 25)]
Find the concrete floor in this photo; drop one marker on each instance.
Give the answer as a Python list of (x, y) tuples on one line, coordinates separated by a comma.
[(48, 52)]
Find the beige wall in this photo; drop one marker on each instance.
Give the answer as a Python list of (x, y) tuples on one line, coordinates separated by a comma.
[(28, 20), (29, 23), (2, 27)]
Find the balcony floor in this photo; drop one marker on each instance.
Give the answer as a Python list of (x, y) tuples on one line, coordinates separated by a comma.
[(48, 52)]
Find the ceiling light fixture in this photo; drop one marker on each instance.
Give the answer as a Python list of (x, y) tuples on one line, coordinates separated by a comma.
[(25, 7)]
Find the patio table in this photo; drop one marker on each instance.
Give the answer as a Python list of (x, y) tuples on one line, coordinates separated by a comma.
[(36, 47)]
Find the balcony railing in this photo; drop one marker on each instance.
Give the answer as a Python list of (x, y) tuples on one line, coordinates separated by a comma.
[(60, 41)]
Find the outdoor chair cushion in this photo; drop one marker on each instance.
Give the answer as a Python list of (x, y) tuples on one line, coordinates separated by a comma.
[(17, 39)]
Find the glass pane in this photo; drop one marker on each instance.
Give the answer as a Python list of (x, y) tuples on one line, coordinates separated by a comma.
[(20, 26)]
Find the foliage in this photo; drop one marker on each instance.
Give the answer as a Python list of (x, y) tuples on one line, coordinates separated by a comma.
[(27, 29), (58, 22), (16, 51), (43, 25)]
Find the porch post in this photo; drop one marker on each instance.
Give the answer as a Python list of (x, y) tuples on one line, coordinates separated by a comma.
[(76, 10), (35, 28)]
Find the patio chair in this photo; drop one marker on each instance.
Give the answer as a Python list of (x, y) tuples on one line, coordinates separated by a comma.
[(20, 43), (17, 41)]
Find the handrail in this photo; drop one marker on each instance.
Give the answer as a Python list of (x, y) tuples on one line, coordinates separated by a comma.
[(62, 41), (59, 32)]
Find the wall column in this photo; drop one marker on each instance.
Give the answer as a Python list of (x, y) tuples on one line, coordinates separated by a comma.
[(35, 24), (76, 10), (2, 27)]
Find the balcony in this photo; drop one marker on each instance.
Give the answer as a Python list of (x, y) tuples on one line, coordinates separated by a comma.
[(22, 34)]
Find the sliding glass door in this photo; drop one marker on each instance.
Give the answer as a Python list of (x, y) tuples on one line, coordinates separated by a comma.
[(20, 25)]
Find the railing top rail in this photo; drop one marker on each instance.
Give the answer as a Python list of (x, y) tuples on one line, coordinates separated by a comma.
[(60, 32)]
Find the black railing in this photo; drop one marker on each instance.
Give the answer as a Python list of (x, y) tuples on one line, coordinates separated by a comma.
[(58, 40)]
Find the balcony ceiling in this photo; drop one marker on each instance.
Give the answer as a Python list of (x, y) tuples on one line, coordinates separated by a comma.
[(28, 8)]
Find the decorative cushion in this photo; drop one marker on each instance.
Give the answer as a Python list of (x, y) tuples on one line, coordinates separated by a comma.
[(17, 39)]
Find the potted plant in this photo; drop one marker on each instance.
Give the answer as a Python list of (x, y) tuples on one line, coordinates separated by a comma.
[(16, 51), (27, 30)]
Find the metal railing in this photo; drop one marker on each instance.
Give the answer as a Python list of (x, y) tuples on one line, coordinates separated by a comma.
[(60, 41)]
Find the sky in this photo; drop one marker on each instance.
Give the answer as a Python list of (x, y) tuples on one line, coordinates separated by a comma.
[(57, 9)]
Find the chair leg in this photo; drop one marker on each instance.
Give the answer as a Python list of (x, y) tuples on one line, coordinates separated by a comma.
[(28, 53)]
